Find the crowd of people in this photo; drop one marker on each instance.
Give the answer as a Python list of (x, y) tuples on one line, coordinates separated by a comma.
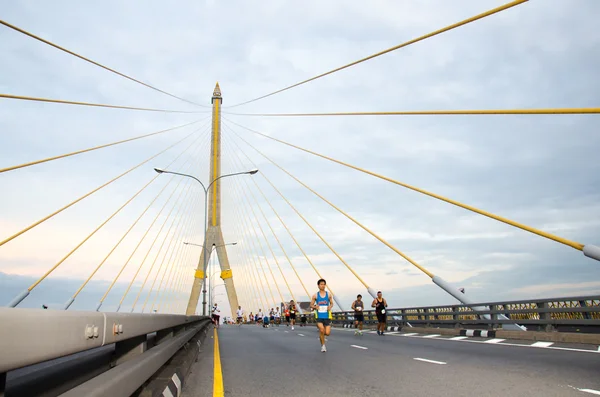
[(321, 304)]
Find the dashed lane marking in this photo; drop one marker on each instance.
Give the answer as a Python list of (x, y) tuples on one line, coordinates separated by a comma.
[(591, 391), (459, 338), (495, 340), (430, 361), (432, 336), (360, 347), (300, 334), (542, 344)]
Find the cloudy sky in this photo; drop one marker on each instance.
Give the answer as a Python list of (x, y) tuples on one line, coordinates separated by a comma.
[(543, 171)]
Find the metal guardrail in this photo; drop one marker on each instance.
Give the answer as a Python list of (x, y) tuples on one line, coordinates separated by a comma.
[(32, 336), (543, 314)]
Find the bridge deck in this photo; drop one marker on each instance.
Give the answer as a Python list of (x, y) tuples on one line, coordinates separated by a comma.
[(264, 362)]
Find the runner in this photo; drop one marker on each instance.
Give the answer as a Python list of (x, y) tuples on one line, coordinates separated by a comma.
[(216, 315), (322, 302), (259, 317), (358, 305), (380, 304), (277, 316), (250, 317), (287, 316), (292, 310), (240, 316), (272, 315)]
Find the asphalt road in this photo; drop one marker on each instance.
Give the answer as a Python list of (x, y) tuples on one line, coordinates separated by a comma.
[(275, 361)]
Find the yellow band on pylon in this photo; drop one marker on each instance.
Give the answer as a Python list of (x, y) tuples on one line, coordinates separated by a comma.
[(199, 274), (226, 274)]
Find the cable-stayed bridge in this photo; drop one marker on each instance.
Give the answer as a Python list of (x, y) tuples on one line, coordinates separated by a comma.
[(156, 236)]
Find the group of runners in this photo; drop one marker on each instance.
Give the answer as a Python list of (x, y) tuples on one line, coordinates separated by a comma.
[(321, 303)]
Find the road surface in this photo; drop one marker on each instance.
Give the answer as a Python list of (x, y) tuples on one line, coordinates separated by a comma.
[(264, 362)]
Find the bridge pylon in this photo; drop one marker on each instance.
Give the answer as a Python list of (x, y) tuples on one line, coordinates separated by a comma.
[(214, 234)]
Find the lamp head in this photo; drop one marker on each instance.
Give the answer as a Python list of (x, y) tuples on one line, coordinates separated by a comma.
[(160, 171), (252, 172)]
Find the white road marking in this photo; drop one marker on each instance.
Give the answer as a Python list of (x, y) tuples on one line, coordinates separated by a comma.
[(411, 334), (300, 334), (591, 391), (599, 348), (429, 361), (287, 332), (459, 338), (495, 340), (360, 347), (432, 336), (542, 344)]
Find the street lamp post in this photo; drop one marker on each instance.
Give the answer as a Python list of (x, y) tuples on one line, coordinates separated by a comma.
[(206, 189)]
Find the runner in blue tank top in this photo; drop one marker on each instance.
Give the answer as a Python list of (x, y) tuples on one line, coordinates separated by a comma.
[(322, 302)]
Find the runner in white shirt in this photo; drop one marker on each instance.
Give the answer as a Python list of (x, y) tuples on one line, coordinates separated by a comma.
[(240, 315), (277, 316), (216, 315)]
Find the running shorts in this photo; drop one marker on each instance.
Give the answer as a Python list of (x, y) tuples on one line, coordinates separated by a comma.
[(359, 317), (325, 321), (381, 318)]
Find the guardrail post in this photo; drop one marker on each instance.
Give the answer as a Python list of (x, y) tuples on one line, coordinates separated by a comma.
[(586, 315), (128, 349), (2, 383), (545, 316), (163, 335)]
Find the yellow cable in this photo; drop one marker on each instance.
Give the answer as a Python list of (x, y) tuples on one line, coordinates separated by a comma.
[(301, 216), (249, 205), (255, 235), (39, 280), (93, 62), (264, 254), (131, 227), (175, 263), (347, 216), (91, 149), (116, 278), (273, 232), (178, 205), (89, 194), (156, 238), (100, 105), (253, 270), (179, 248), (447, 28), (432, 112), (162, 262), (530, 229)]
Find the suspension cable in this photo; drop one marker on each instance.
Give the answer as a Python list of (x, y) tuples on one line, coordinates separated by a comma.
[(94, 62), (70, 302), (570, 243), (94, 148), (433, 112), (262, 249), (273, 231), (100, 105), (421, 38), (244, 196), (301, 217), (90, 193), (421, 268), (187, 190)]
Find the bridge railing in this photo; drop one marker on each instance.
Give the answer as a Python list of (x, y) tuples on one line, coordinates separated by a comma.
[(538, 314), (142, 343)]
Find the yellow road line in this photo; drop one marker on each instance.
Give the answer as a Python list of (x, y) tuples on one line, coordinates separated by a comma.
[(218, 372)]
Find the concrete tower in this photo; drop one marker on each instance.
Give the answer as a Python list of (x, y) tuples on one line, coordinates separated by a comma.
[(214, 234)]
